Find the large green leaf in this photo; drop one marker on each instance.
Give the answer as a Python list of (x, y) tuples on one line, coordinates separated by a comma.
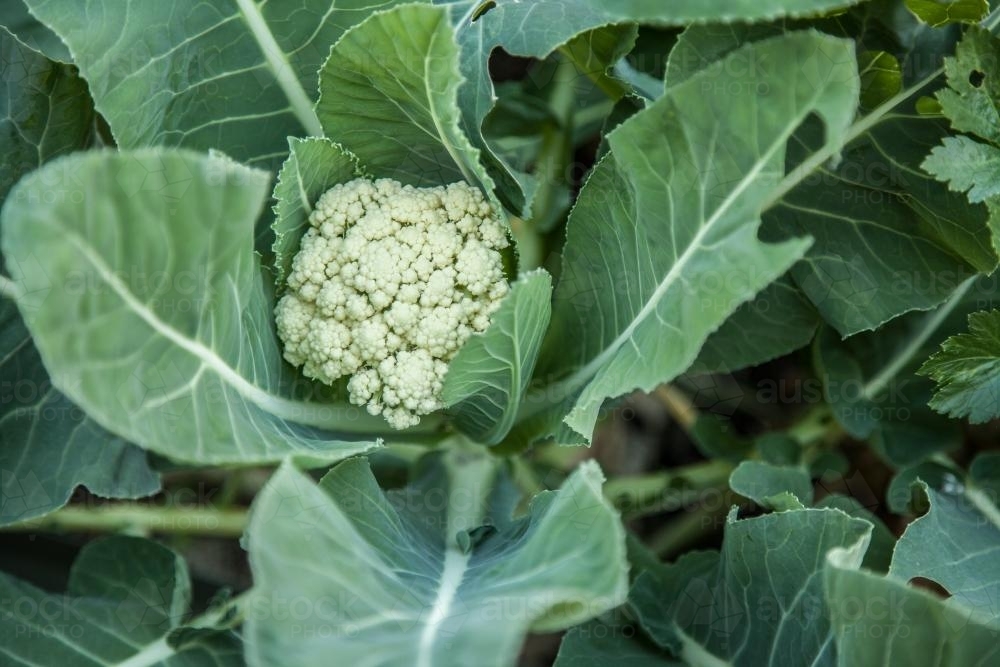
[(662, 244), (967, 371), (141, 289), (125, 599), (434, 574), (881, 620), (759, 601), (238, 76), (887, 265), (488, 377), (393, 102), (956, 544)]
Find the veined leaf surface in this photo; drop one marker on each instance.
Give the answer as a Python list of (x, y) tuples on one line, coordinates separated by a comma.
[(435, 574)]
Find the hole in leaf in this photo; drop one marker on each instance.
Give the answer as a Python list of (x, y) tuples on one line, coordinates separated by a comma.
[(930, 586), (482, 9), (976, 78)]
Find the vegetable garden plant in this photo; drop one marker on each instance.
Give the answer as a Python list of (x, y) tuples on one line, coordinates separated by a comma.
[(517, 332)]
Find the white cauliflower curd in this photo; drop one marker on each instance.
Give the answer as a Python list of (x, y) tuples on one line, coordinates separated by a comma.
[(389, 282)]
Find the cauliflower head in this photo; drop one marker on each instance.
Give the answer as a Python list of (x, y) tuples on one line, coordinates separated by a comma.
[(389, 282)]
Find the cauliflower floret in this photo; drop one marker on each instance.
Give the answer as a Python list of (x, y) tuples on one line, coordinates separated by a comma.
[(388, 284)]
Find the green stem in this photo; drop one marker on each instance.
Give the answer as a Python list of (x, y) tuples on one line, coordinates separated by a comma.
[(932, 322), (669, 490), (141, 519), (688, 529)]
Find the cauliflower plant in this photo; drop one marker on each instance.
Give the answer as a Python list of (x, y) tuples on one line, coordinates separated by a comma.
[(389, 283)]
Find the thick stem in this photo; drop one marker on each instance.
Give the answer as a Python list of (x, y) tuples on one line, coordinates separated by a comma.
[(138, 519), (640, 495)]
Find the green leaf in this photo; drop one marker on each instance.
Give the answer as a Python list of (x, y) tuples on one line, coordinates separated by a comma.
[(967, 166), (880, 620), (771, 486), (155, 246), (686, 181), (488, 377), (878, 557), (15, 17), (537, 29), (955, 544), (967, 371), (313, 166), (758, 602), (50, 445), (395, 585), (888, 265), (238, 76), (971, 99), (124, 596), (600, 643), (936, 13), (407, 88)]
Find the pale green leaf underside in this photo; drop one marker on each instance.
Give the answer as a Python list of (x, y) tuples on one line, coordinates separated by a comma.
[(389, 94), (124, 595), (662, 245), (173, 347), (967, 563), (487, 379), (396, 587), (967, 371), (234, 75)]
